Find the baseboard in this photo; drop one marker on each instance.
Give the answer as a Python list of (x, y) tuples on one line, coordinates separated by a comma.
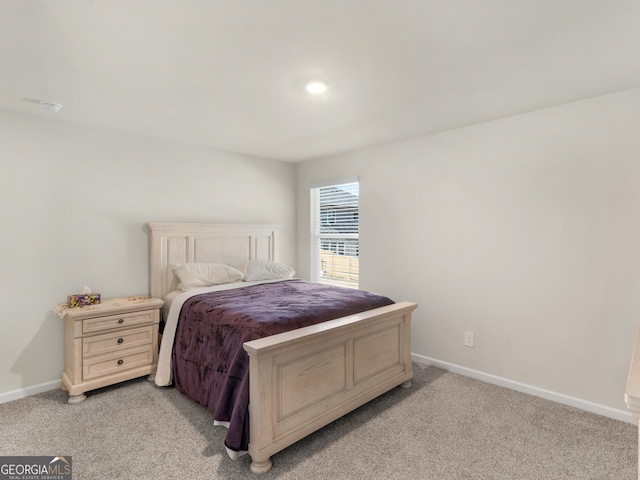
[(592, 407), (622, 415), (28, 391)]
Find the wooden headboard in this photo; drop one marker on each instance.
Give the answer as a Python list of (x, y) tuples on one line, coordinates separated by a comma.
[(172, 243)]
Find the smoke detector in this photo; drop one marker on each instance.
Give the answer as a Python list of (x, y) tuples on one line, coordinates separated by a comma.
[(51, 107)]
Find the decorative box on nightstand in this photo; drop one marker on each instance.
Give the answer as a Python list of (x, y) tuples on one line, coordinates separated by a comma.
[(108, 343)]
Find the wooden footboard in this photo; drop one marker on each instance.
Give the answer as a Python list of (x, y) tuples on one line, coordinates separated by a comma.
[(302, 380)]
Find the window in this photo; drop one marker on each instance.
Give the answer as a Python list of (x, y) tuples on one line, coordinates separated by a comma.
[(335, 245)]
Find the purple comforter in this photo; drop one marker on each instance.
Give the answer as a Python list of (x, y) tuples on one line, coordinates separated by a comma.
[(210, 365)]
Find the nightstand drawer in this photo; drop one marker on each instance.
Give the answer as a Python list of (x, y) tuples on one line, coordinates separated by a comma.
[(117, 362), (117, 341), (100, 324)]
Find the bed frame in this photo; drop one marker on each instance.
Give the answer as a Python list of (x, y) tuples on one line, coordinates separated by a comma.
[(304, 379)]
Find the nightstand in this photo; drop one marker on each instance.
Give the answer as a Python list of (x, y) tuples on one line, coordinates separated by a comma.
[(108, 343)]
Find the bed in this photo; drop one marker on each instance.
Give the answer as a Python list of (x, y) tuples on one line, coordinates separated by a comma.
[(299, 380)]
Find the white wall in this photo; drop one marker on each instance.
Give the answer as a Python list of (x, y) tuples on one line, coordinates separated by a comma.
[(74, 201), (524, 230)]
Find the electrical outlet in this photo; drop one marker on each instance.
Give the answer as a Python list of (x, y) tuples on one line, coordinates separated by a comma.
[(468, 339)]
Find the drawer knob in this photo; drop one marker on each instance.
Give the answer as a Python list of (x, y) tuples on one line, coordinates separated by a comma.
[(120, 362), (121, 320), (120, 340)]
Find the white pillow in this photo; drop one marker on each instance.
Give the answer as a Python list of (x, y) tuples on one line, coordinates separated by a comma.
[(192, 275), (265, 270)]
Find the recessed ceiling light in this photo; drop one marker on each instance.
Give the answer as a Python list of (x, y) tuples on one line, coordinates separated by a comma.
[(51, 107), (316, 87)]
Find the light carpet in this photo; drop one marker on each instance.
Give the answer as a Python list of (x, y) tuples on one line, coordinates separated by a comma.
[(446, 427)]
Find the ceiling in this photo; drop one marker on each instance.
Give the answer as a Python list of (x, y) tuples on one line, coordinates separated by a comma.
[(230, 74)]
